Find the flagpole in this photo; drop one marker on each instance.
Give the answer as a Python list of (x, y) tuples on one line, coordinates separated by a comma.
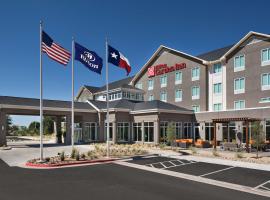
[(72, 104), (41, 94), (107, 99)]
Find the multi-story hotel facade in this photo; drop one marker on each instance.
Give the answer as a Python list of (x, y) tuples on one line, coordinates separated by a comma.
[(221, 91)]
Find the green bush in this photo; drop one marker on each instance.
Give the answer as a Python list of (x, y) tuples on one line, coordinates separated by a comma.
[(193, 150), (239, 155), (47, 159), (62, 156), (77, 155), (73, 153), (215, 153), (83, 156)]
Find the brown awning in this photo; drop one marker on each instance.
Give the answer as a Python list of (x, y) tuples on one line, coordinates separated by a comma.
[(226, 120)]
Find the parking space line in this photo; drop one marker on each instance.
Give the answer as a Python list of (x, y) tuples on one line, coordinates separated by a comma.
[(214, 172), (172, 163), (182, 165), (262, 185), (264, 188), (164, 166)]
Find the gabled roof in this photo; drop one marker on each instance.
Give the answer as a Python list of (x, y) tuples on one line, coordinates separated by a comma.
[(91, 89), (156, 54), (122, 83), (215, 54)]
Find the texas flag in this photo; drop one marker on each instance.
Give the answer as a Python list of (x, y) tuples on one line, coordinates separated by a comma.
[(117, 58)]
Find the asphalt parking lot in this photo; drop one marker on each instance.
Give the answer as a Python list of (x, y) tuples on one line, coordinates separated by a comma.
[(106, 181), (257, 179)]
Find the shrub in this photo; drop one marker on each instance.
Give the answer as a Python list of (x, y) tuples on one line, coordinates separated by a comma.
[(193, 150), (47, 159), (62, 156), (73, 153), (239, 155), (83, 156), (162, 145), (215, 153), (77, 155)]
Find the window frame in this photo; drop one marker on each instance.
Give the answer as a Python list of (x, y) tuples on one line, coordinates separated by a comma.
[(241, 67), (196, 78), (241, 90)]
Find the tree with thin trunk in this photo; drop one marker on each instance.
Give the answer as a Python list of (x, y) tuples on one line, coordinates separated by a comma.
[(258, 136), (171, 133)]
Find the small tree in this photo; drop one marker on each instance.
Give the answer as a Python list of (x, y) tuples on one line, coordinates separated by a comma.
[(171, 133), (48, 125), (33, 128), (257, 136), (9, 124)]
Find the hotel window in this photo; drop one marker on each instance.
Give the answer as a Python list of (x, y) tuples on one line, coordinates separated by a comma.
[(163, 96), (265, 100), (217, 88), (151, 97), (178, 77), (267, 131), (178, 95), (138, 85), (110, 131), (90, 132), (163, 81), (149, 131), (265, 57), (240, 104), (265, 82), (150, 84), (217, 107), (195, 74), (137, 132), (178, 130), (195, 92), (239, 63), (196, 108), (187, 130), (122, 131), (163, 131), (239, 85), (217, 68)]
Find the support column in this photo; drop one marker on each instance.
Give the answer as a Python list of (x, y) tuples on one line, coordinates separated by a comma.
[(3, 128), (101, 128), (247, 136), (143, 132), (130, 134), (58, 130), (156, 131), (114, 136), (215, 135), (68, 130)]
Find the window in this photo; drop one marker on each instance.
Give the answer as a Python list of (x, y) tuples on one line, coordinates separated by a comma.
[(265, 82), (195, 92), (151, 97), (163, 131), (267, 131), (195, 74), (217, 107), (122, 131), (90, 132), (217, 68), (163, 81), (240, 104), (178, 130), (163, 96), (239, 85), (138, 85), (178, 95), (137, 132), (239, 63), (209, 130), (217, 88), (196, 108), (265, 57), (149, 131), (110, 131), (178, 77), (265, 100), (187, 130), (150, 84)]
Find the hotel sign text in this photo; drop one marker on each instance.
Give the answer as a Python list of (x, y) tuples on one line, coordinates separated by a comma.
[(164, 69)]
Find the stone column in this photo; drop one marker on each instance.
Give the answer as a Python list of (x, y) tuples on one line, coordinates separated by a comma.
[(156, 131), (202, 130), (114, 135), (68, 130), (101, 128), (130, 132), (142, 131), (3, 128)]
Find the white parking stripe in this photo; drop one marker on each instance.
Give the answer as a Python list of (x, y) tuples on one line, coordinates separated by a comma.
[(217, 171), (172, 163), (262, 185)]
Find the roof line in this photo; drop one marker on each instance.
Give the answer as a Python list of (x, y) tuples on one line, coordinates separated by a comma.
[(91, 104)]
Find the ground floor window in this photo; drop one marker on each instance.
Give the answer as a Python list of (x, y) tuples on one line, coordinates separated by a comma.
[(225, 132), (122, 131), (196, 131), (90, 132), (178, 130), (110, 131), (209, 131), (267, 131), (231, 133), (163, 131), (187, 130), (137, 132), (149, 131)]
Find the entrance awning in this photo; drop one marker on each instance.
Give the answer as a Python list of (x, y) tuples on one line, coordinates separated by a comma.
[(227, 120)]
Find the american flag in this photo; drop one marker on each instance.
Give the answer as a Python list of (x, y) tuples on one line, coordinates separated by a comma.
[(53, 50)]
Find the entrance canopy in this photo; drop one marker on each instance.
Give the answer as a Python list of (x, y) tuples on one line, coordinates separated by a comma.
[(227, 120)]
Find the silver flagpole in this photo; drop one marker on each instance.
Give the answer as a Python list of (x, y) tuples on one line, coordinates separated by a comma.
[(107, 99), (41, 96), (72, 104)]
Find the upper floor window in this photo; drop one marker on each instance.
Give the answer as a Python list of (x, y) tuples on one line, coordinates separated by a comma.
[(217, 107), (239, 85), (163, 81), (265, 82), (217, 68), (265, 100), (240, 104), (138, 85), (195, 92), (239, 63), (163, 96), (178, 77), (150, 84), (217, 88), (196, 108), (195, 74), (265, 57), (178, 95), (151, 97)]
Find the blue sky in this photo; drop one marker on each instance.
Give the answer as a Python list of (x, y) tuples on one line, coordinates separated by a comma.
[(135, 27)]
